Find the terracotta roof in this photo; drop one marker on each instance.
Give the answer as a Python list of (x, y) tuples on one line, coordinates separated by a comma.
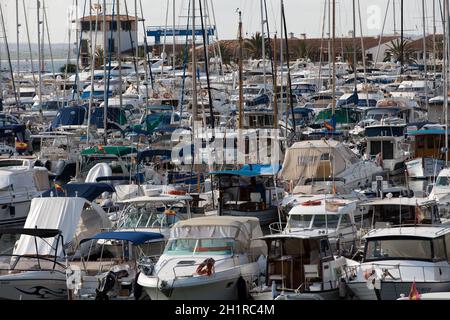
[(417, 45)]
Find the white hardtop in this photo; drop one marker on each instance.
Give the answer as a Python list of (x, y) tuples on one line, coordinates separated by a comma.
[(161, 198), (329, 207), (419, 232), (403, 201), (303, 234)]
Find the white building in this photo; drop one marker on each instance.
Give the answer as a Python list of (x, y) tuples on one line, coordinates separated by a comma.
[(92, 29)]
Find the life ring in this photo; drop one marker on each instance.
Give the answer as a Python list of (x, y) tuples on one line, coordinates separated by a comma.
[(203, 93), (21, 145), (206, 267), (155, 96), (170, 212), (177, 192), (312, 203), (167, 95)]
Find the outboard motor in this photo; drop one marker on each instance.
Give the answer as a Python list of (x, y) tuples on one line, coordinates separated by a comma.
[(106, 284)]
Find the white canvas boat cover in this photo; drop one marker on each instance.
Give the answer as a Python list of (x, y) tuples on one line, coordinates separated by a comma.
[(62, 213), (303, 158), (16, 179), (241, 229), (127, 191), (97, 171)]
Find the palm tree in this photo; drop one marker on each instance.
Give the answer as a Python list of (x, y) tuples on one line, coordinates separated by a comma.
[(302, 50), (225, 53), (254, 45), (99, 57), (349, 55), (395, 51)]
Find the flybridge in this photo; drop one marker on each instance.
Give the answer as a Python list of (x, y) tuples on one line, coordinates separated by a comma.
[(178, 31)]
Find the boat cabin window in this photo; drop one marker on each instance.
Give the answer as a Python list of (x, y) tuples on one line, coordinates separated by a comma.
[(325, 250), (398, 249), (225, 246), (442, 181), (313, 221), (386, 148), (287, 258), (345, 221), (439, 253), (396, 214)]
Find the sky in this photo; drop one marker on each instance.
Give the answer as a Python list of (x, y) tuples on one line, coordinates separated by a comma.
[(302, 16)]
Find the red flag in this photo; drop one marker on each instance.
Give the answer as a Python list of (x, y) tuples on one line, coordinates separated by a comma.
[(414, 293)]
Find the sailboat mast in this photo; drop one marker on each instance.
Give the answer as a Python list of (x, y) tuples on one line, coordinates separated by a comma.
[(445, 74), (333, 105), (263, 44), (401, 37), (18, 50), (194, 70), (275, 87), (241, 92), (424, 42), (39, 52), (354, 40), (119, 48)]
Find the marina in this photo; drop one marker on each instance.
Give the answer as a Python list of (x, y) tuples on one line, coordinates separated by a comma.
[(185, 161)]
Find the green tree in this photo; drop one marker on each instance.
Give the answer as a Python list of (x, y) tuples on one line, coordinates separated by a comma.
[(302, 50), (254, 46), (71, 68), (395, 50)]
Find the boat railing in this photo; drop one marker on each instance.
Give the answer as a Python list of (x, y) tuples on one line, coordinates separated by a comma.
[(22, 263), (277, 227), (400, 273)]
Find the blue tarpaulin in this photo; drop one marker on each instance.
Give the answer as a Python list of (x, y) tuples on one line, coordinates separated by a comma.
[(89, 191), (136, 237), (69, 116), (251, 170)]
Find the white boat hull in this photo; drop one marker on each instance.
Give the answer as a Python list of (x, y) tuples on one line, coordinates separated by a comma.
[(391, 290), (33, 285)]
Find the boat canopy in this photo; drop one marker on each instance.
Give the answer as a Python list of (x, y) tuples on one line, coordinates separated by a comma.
[(35, 232), (89, 191), (303, 159), (165, 153), (136, 237), (66, 214), (241, 229), (251, 170), (69, 116), (119, 151)]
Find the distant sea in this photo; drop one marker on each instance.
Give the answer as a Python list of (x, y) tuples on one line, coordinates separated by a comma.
[(25, 65)]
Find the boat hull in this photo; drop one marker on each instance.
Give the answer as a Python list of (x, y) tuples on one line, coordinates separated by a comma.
[(33, 285), (392, 290)]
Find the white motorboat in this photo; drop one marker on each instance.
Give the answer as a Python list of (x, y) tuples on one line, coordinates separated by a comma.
[(20, 182), (300, 265), (35, 272), (330, 216), (207, 258), (394, 258)]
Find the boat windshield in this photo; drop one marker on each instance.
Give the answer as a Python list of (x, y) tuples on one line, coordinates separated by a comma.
[(313, 221), (442, 181), (145, 218), (222, 246), (398, 249)]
